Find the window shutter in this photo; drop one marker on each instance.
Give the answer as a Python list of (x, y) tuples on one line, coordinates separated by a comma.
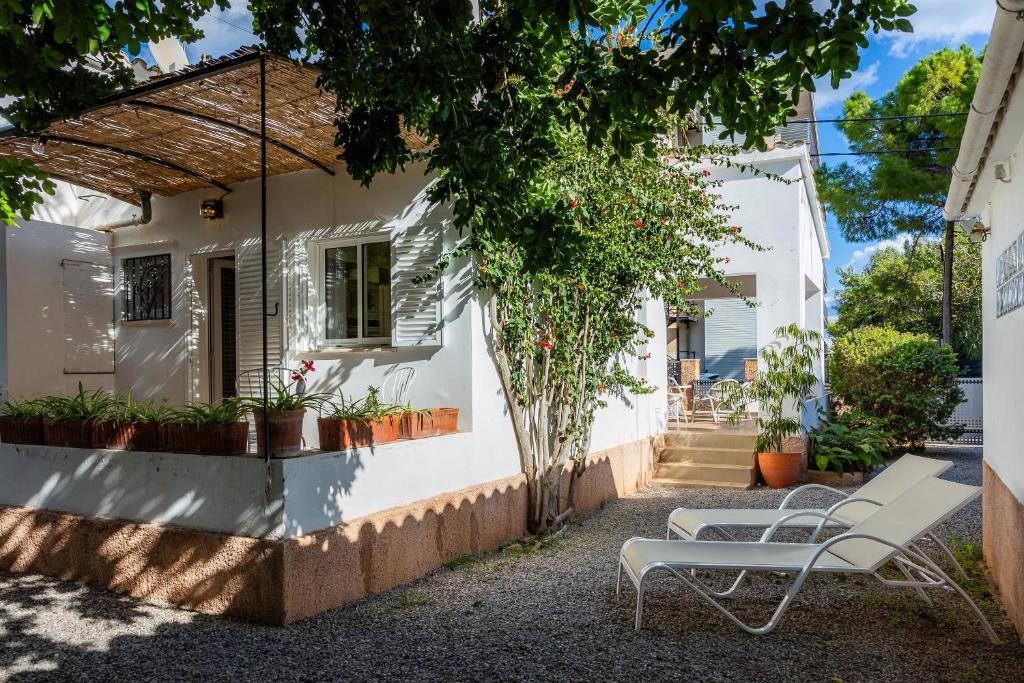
[(88, 317), (299, 314), (249, 306), (416, 306), (730, 336)]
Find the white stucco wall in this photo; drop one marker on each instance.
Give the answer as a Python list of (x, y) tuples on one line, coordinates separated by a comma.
[(780, 217), (152, 359), (1001, 206), (35, 301)]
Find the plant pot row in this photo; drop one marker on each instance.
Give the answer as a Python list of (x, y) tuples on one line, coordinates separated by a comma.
[(215, 439), (340, 435)]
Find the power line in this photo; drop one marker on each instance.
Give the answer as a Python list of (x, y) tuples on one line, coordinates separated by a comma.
[(866, 119), (225, 21), (884, 151)]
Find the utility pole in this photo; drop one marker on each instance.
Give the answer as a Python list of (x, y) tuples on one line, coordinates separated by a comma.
[(947, 287)]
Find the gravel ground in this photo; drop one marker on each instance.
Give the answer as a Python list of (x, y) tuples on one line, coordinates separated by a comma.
[(528, 613)]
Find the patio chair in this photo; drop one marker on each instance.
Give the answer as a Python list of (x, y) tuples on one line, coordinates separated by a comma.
[(703, 396), (885, 536), (395, 390), (851, 508), (677, 401)]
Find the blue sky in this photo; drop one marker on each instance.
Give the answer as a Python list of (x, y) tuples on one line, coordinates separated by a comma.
[(938, 23)]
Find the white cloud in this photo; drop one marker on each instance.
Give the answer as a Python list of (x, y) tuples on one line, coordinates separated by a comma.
[(949, 21), (826, 97), (225, 31), (860, 258)]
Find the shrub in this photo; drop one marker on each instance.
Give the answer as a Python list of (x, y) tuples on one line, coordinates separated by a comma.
[(907, 379), (848, 442)]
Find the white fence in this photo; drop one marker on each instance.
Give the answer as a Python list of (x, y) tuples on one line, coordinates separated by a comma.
[(969, 413)]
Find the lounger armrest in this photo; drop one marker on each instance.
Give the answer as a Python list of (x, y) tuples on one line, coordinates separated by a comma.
[(824, 516), (808, 487), (852, 499)]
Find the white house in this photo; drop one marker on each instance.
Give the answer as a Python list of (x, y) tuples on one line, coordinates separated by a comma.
[(786, 281), (150, 296), (986, 197)]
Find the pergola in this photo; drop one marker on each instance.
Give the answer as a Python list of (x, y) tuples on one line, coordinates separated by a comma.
[(248, 115)]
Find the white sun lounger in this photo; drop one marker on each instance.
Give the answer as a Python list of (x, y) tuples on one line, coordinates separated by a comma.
[(886, 535), (691, 524)]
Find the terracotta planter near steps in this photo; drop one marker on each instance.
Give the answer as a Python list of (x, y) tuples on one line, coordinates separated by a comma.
[(68, 433), (340, 435), (149, 436), (181, 437), (285, 427), (780, 470), (117, 436), (436, 422), (224, 439), (27, 430)]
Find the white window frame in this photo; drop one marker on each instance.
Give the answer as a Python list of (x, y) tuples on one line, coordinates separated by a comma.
[(321, 247)]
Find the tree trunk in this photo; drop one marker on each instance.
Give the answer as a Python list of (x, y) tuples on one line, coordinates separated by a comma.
[(947, 287)]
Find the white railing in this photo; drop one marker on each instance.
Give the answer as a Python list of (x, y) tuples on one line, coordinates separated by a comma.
[(969, 413)]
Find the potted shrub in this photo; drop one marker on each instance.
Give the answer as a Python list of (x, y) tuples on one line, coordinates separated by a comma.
[(361, 422), (71, 421), (22, 421), (846, 446), (216, 428), (116, 429), (284, 412), (786, 379), (150, 420), (418, 424)]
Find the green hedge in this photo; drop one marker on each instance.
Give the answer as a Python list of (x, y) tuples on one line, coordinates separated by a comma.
[(907, 379)]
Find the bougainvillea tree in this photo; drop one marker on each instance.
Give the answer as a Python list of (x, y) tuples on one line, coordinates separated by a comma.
[(568, 329)]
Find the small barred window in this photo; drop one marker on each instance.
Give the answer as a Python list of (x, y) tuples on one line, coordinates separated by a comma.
[(146, 288)]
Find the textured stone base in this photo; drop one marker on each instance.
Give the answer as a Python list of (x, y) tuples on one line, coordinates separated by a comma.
[(281, 581), (1003, 534)]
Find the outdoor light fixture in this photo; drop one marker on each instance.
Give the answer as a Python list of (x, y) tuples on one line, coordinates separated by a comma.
[(39, 146), (973, 228), (212, 209)]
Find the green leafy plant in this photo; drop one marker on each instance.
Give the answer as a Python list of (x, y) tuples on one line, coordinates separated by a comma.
[(95, 406), (366, 409), (908, 379), (848, 442), (228, 411), (785, 379), (285, 396), (25, 408), (152, 411)]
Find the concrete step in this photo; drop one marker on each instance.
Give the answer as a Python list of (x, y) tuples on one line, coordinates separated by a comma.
[(694, 483), (697, 474), (711, 439), (705, 455)]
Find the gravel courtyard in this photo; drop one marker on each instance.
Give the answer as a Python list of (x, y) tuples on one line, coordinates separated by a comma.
[(531, 612)]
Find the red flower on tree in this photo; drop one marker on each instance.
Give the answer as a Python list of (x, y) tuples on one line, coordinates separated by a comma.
[(572, 203), (638, 223)]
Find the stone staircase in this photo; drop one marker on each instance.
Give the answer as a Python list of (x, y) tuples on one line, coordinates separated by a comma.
[(707, 457)]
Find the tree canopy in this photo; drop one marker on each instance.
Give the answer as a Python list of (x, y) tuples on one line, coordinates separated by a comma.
[(900, 184), (901, 288)]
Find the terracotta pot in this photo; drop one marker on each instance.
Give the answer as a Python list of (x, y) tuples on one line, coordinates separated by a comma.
[(68, 433), (340, 435), (285, 427), (27, 430), (224, 439), (436, 422), (780, 470), (116, 436), (181, 437), (149, 436)]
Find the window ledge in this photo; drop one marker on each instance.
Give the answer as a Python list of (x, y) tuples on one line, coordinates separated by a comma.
[(341, 351)]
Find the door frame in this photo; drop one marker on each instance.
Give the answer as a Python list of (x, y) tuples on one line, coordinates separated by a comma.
[(197, 298), (215, 266)]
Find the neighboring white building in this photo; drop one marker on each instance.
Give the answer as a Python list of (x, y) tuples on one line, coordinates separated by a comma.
[(987, 197), (787, 280)]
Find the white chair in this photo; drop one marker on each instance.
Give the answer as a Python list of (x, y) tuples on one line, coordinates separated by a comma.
[(395, 390), (677, 401), (703, 397), (885, 536)]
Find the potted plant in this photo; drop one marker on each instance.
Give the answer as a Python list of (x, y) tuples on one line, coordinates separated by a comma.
[(786, 379), (284, 413), (22, 421), (361, 422), (71, 421), (215, 428), (116, 429), (418, 424), (150, 420)]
